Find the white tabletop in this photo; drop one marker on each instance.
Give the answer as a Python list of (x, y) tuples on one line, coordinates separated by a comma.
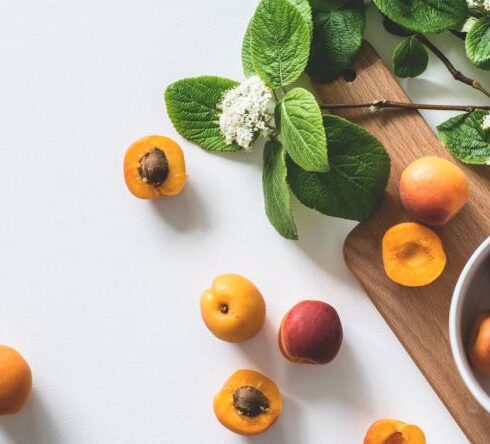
[(100, 290)]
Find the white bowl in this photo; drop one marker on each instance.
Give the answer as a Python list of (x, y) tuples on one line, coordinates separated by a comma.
[(471, 297)]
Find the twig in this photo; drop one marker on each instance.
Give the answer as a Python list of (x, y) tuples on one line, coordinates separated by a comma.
[(458, 75), (379, 104)]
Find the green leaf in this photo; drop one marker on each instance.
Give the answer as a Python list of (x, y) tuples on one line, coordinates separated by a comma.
[(478, 43), (302, 131), (248, 68), (425, 15), (276, 190), (356, 182), (304, 8), (466, 139), (280, 42), (192, 105), (337, 38), (410, 58)]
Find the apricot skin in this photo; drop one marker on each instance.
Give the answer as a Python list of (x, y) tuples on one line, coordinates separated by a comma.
[(480, 346), (15, 381), (311, 333), (392, 431), (433, 190)]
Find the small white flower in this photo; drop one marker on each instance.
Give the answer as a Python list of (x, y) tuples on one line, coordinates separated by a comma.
[(479, 4), (246, 112), (486, 122)]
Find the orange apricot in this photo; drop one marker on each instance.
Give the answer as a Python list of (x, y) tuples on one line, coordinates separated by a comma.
[(154, 166), (413, 254), (233, 308), (391, 431), (433, 190), (15, 381), (249, 403), (479, 352)]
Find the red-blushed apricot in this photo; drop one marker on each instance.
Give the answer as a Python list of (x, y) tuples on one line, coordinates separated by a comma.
[(479, 351), (433, 190), (15, 381), (233, 308), (249, 403), (413, 254), (310, 333), (391, 431)]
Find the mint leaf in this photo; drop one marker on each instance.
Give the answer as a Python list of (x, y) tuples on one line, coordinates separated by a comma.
[(359, 171), (192, 105), (337, 38), (280, 42), (248, 68), (301, 128), (425, 15), (276, 190), (466, 139), (410, 58), (478, 43)]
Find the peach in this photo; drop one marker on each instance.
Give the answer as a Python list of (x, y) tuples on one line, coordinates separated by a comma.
[(480, 344), (311, 332), (433, 190), (391, 431)]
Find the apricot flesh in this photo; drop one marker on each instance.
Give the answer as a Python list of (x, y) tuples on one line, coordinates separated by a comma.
[(311, 333), (433, 190), (233, 308), (391, 431), (480, 344), (413, 255)]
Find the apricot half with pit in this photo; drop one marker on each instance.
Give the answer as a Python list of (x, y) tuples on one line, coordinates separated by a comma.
[(249, 403), (433, 190), (233, 308), (391, 431), (311, 333), (413, 254), (479, 352)]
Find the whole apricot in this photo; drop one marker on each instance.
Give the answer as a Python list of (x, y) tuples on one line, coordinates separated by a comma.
[(233, 308), (480, 344), (249, 403), (310, 333), (15, 381), (433, 190), (154, 166), (413, 254), (391, 431)]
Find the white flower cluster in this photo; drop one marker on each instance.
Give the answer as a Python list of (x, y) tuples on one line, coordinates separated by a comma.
[(479, 4), (245, 112), (486, 122)]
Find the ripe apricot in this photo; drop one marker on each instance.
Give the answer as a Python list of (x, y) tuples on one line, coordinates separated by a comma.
[(413, 254), (480, 344), (249, 403), (15, 381), (433, 190), (154, 166), (233, 308), (391, 431)]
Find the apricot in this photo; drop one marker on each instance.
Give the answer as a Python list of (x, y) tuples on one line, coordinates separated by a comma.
[(391, 431), (433, 190), (310, 333), (249, 403), (233, 308), (480, 344), (15, 381), (154, 166)]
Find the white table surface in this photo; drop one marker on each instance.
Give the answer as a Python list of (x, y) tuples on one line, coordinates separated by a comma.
[(100, 290)]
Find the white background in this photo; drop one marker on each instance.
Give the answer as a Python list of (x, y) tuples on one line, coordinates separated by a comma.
[(100, 290)]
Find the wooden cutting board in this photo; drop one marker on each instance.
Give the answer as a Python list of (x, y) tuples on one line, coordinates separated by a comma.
[(418, 317)]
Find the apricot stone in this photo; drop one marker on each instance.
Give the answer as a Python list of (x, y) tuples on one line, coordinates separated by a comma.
[(433, 190), (480, 344), (391, 431), (311, 333)]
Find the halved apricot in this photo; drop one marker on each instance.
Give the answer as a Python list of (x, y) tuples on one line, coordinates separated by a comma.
[(413, 254), (392, 431), (249, 403), (154, 166)]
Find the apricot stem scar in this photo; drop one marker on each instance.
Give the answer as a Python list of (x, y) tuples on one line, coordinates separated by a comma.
[(223, 308)]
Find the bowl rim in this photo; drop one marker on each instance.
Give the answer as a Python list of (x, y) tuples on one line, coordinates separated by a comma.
[(455, 327)]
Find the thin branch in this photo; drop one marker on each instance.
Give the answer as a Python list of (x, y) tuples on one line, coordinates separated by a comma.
[(458, 75), (379, 104)]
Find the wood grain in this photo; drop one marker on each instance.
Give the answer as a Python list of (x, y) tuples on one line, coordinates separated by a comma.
[(418, 317)]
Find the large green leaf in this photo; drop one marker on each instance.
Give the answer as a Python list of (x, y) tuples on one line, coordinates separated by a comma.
[(359, 171), (410, 58), (302, 131), (425, 15), (337, 38), (280, 42), (478, 43), (248, 68), (276, 190), (466, 139), (192, 105), (305, 9)]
